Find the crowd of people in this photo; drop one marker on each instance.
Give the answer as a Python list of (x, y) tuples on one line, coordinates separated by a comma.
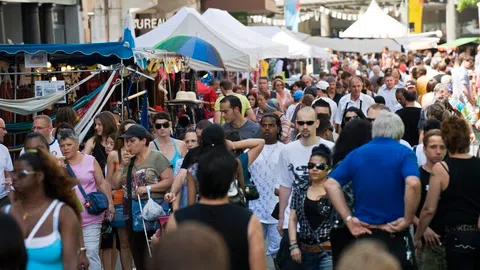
[(372, 165)]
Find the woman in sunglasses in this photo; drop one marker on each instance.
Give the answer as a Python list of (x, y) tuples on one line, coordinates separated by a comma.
[(311, 208), (352, 113), (173, 149), (46, 211)]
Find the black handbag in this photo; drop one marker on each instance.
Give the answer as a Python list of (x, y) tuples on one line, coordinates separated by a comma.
[(236, 195), (251, 192)]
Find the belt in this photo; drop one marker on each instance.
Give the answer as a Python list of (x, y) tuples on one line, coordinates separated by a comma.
[(463, 228), (326, 246)]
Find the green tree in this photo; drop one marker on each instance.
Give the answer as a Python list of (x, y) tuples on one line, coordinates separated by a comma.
[(462, 4)]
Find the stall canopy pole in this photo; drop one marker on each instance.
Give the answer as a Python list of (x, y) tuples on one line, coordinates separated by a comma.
[(122, 89)]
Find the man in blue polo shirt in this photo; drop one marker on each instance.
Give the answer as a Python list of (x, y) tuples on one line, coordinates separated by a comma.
[(386, 186)]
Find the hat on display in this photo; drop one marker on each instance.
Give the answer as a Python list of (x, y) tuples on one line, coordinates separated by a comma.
[(410, 84), (135, 131), (322, 85), (298, 95), (185, 97)]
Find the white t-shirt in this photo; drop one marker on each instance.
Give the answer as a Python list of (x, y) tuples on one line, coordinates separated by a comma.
[(390, 97), (363, 103), (5, 166), (292, 170), (261, 174), (54, 149), (421, 157)]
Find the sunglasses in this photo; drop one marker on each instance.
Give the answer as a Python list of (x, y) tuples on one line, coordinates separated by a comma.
[(347, 119), (370, 119), (319, 166), (302, 123), (164, 125), (21, 174)]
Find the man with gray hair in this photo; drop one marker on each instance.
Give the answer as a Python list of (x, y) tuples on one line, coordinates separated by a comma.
[(386, 187)]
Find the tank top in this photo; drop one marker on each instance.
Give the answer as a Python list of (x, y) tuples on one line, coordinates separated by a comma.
[(230, 221), (100, 155), (177, 154), (45, 252), (85, 173), (461, 198)]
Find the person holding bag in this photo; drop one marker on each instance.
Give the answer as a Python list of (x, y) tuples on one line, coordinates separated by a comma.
[(90, 177), (141, 171)]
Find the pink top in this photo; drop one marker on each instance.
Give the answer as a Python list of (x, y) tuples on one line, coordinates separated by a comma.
[(86, 177)]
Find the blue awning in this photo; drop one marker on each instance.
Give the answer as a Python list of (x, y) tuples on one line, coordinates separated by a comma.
[(105, 53)]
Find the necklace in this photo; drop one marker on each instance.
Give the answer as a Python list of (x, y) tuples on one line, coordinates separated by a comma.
[(265, 157), (27, 214), (142, 159)]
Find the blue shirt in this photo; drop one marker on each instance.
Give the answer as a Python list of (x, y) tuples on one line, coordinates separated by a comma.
[(378, 171)]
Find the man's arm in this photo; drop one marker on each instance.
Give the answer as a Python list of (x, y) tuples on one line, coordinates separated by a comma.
[(412, 197), (336, 196), (283, 202)]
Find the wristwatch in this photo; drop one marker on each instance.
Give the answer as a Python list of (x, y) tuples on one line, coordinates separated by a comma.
[(347, 219)]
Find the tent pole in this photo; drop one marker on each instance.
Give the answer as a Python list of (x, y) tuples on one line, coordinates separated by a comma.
[(121, 88)]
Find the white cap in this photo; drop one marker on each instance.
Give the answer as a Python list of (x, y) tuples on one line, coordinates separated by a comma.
[(322, 85)]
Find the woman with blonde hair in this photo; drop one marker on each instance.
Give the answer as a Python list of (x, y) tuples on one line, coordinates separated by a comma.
[(283, 96)]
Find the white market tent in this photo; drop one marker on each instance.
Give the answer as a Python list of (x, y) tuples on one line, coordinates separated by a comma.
[(296, 47), (374, 23), (187, 21), (355, 44), (244, 37)]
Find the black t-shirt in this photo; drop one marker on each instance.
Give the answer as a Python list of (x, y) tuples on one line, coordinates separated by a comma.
[(437, 224), (410, 117)]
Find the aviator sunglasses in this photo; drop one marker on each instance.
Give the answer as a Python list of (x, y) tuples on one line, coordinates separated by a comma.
[(319, 166)]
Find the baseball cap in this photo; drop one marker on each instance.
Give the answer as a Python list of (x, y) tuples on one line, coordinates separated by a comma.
[(298, 95), (135, 131), (410, 84), (322, 85), (116, 110)]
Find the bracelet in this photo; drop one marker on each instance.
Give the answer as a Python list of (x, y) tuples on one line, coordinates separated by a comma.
[(292, 247), (233, 146), (348, 218), (82, 249)]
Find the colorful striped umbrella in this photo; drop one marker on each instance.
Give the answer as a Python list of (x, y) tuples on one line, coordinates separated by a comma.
[(192, 47)]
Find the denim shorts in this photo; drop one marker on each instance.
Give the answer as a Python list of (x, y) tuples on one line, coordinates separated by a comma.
[(118, 220)]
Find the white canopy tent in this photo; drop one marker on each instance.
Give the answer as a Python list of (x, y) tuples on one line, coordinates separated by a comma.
[(355, 44), (296, 47), (244, 37), (374, 23), (188, 21)]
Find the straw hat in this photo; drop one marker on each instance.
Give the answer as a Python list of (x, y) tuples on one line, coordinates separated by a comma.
[(185, 97)]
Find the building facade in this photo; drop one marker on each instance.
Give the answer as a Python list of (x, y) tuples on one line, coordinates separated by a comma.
[(54, 21)]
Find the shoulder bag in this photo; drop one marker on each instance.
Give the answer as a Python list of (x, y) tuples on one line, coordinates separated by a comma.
[(95, 202)]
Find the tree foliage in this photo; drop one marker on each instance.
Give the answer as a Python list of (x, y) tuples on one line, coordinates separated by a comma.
[(462, 4)]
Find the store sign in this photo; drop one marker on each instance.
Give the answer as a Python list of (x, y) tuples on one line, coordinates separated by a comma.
[(147, 23), (45, 88)]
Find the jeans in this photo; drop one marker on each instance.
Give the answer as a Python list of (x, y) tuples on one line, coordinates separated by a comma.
[(463, 250), (271, 234), (399, 245), (317, 260), (91, 237)]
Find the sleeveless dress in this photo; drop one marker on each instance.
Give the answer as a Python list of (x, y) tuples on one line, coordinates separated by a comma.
[(45, 252)]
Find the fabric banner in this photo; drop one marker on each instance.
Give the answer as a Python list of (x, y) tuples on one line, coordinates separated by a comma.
[(292, 14), (415, 14)]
